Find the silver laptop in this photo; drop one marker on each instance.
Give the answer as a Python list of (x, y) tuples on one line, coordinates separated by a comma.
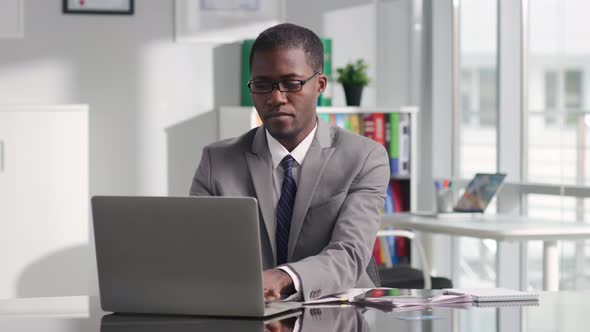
[(475, 199), (479, 192), (181, 255)]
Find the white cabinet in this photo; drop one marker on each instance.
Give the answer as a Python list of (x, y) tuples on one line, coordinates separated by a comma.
[(44, 208)]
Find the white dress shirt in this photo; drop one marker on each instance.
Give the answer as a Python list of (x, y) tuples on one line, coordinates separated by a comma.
[(277, 153)]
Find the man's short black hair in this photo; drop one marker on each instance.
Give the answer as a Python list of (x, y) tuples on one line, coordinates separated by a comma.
[(291, 36)]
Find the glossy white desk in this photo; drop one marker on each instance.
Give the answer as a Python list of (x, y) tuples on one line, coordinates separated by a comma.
[(556, 311), (500, 228)]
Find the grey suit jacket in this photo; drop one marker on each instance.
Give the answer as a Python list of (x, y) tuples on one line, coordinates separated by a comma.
[(335, 219)]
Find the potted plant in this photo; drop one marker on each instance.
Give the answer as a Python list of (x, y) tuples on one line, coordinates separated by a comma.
[(353, 78)]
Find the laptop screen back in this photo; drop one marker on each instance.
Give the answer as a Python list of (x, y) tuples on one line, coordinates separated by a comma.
[(179, 255), (479, 192)]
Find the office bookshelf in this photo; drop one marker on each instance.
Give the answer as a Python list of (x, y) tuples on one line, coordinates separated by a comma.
[(234, 120)]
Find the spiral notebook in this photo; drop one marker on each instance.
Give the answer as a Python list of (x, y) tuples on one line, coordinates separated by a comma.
[(493, 294), (501, 304)]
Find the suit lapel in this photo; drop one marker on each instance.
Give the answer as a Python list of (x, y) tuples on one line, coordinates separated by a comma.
[(313, 167), (260, 167)]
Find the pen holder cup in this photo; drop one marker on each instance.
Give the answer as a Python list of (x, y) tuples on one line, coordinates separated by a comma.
[(444, 200)]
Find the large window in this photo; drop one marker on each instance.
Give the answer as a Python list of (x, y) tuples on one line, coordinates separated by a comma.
[(544, 145), (478, 104), (557, 122), (478, 75)]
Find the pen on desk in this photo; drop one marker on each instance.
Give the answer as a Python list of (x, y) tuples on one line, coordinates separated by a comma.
[(446, 184), (437, 185)]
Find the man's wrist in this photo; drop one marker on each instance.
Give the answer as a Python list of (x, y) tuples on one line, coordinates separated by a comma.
[(287, 284)]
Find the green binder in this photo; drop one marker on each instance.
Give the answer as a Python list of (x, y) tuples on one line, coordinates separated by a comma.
[(325, 98)]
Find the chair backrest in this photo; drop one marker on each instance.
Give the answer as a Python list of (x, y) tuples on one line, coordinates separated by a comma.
[(419, 249), (373, 273)]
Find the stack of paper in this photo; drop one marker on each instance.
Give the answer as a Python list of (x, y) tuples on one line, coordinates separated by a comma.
[(414, 300), (388, 299), (392, 297)]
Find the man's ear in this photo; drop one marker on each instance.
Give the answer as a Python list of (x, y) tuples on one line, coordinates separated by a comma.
[(322, 83)]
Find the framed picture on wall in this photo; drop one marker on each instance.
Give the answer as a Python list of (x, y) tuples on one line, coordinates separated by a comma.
[(108, 7)]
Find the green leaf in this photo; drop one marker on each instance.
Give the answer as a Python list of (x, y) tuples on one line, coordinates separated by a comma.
[(353, 73)]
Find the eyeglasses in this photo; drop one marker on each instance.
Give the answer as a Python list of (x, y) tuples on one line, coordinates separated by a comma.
[(260, 86)]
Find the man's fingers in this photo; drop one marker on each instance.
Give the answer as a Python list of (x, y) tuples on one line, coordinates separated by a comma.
[(272, 327), (271, 294)]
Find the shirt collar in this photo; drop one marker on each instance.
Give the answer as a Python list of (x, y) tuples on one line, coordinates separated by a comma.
[(278, 151)]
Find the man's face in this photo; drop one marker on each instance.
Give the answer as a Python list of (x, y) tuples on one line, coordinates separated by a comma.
[(288, 116)]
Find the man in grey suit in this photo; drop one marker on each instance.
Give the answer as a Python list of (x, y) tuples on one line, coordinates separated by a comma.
[(319, 187)]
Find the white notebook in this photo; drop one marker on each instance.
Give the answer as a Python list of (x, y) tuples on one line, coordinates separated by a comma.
[(493, 294), (500, 304)]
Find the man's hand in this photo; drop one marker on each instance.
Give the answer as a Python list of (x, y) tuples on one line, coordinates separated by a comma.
[(275, 283), (284, 325)]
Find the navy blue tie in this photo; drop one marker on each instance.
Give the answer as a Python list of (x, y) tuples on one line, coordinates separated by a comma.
[(285, 209)]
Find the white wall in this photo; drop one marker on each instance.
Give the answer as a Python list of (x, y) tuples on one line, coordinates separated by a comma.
[(136, 80), (352, 26), (142, 89), (11, 19)]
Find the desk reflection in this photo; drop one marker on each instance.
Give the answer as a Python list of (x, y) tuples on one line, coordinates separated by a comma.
[(308, 319), (342, 318)]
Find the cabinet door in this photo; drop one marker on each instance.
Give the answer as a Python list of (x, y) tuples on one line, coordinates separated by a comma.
[(43, 202)]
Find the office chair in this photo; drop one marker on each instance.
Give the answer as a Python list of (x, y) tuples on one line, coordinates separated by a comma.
[(373, 272), (404, 276)]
